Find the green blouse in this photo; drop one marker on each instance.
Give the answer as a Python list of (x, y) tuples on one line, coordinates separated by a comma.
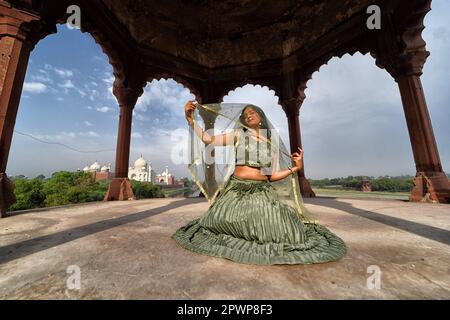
[(252, 152)]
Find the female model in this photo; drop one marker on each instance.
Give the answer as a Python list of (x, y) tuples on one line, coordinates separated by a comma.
[(248, 223)]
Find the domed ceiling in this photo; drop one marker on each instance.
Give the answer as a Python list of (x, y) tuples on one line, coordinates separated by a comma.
[(216, 33)]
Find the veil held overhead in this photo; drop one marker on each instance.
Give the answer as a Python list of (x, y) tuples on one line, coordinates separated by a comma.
[(211, 166)]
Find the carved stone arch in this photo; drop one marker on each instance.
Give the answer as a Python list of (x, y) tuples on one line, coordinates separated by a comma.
[(401, 50), (179, 79), (53, 13), (231, 86), (36, 31), (120, 68), (306, 73)]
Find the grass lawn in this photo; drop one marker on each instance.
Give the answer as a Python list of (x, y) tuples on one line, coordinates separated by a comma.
[(360, 194), (172, 192)]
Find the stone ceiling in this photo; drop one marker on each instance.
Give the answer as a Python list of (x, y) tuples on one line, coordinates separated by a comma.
[(216, 33)]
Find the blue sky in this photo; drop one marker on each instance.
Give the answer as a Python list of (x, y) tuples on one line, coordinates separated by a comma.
[(352, 121)]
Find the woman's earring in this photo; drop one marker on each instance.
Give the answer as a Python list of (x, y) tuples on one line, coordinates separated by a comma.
[(260, 124)]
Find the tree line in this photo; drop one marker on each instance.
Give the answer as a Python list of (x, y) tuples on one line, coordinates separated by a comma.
[(64, 188), (389, 184)]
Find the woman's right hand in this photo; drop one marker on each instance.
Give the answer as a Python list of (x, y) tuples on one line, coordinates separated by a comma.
[(297, 158), (189, 107)]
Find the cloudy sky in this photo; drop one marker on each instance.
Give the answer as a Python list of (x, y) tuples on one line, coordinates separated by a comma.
[(352, 121)]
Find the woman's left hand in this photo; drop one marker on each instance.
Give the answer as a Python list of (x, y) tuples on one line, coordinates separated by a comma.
[(297, 157)]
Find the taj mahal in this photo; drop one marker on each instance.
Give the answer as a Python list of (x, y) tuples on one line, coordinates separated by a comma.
[(141, 171)]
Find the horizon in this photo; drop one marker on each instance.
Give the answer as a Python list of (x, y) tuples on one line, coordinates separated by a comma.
[(190, 178)]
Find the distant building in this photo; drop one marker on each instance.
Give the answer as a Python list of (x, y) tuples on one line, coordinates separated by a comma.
[(99, 172), (366, 185), (165, 177), (142, 171)]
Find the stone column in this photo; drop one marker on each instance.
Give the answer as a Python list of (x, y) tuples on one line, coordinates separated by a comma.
[(430, 180), (403, 55), (292, 110), (210, 170), (209, 94), (120, 187), (17, 39)]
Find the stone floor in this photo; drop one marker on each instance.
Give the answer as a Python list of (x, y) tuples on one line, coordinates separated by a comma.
[(124, 251)]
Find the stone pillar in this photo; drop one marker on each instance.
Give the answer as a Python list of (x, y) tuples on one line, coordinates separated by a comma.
[(403, 55), (292, 110), (17, 39), (430, 180), (120, 187), (210, 170)]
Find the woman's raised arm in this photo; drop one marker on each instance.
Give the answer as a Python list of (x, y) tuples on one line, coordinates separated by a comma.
[(278, 174), (217, 140)]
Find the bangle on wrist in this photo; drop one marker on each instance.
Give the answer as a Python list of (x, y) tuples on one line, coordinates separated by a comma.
[(292, 171)]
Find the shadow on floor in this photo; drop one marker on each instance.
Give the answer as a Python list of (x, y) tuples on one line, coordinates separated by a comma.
[(27, 247), (429, 232)]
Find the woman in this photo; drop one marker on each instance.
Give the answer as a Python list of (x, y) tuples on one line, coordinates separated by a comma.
[(248, 223)]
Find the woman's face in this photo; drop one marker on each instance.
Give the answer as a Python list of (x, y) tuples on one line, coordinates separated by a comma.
[(252, 118)]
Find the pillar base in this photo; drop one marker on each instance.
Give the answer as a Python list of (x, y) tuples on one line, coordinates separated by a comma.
[(119, 189), (305, 188), (431, 187), (7, 196)]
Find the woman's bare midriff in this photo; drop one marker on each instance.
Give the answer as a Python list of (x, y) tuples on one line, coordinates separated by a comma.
[(246, 172)]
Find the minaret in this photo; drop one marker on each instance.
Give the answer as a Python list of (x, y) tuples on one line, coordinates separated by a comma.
[(149, 174), (167, 175)]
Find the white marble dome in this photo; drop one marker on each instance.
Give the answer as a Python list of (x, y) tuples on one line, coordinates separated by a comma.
[(104, 169), (95, 166), (140, 163)]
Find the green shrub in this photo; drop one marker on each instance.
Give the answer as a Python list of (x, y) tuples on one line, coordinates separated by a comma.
[(145, 190), (389, 184), (29, 194), (61, 189)]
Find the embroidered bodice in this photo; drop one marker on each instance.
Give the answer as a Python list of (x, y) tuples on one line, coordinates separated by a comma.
[(252, 152)]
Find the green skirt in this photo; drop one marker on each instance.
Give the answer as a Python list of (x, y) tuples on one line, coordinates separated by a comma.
[(248, 224)]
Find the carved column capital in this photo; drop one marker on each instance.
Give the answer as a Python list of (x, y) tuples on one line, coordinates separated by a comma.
[(293, 91), (291, 107), (399, 47), (403, 63), (208, 116), (127, 97), (25, 26)]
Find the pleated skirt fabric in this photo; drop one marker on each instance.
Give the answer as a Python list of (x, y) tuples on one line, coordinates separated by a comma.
[(248, 224)]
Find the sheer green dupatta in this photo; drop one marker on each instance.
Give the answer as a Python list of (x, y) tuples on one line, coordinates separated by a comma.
[(212, 166)]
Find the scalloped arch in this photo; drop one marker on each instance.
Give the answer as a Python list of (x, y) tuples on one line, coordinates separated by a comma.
[(307, 75), (181, 80), (114, 59), (225, 90)]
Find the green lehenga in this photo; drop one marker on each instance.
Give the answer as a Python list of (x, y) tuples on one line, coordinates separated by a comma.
[(250, 221), (248, 224)]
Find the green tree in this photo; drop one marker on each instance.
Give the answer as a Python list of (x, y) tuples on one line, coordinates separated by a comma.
[(72, 187), (29, 194), (144, 190), (21, 176)]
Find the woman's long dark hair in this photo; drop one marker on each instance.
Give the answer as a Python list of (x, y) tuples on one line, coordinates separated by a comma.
[(262, 115), (264, 124)]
